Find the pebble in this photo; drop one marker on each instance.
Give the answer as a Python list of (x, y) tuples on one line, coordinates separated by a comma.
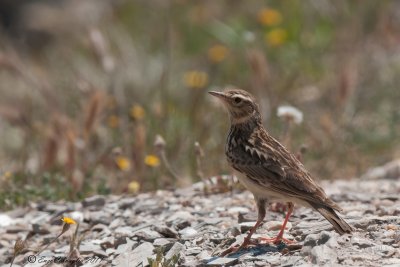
[(165, 243), (136, 257), (5, 220), (188, 232), (223, 262), (97, 201), (124, 230), (322, 255), (147, 234), (124, 247), (166, 231), (276, 225), (361, 242), (238, 210), (174, 251), (246, 226)]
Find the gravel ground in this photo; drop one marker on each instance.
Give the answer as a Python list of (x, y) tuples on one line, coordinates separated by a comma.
[(193, 228)]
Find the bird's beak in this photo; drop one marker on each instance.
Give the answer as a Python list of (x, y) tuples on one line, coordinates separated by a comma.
[(219, 95)]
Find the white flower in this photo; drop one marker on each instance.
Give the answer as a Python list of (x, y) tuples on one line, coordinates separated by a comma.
[(77, 216), (290, 113)]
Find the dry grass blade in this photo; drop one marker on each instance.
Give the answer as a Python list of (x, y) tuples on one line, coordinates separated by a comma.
[(93, 110)]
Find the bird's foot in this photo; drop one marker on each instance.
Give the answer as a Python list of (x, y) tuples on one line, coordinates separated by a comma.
[(275, 240), (233, 249)]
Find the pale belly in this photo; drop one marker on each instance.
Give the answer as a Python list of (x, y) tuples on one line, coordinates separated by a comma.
[(263, 192)]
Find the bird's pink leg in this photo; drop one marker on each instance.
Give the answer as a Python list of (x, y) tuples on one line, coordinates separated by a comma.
[(279, 237), (247, 241)]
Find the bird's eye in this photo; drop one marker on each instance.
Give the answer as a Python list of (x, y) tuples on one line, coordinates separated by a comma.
[(237, 100)]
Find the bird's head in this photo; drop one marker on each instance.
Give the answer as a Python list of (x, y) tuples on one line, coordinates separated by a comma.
[(240, 104)]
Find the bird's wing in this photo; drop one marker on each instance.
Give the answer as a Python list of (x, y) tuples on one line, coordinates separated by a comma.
[(269, 164)]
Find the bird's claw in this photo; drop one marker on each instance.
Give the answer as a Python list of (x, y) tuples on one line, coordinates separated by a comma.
[(275, 240), (233, 249)]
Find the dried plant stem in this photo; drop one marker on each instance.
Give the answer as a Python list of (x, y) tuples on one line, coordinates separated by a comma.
[(199, 156), (64, 229), (159, 145), (73, 243), (167, 165)]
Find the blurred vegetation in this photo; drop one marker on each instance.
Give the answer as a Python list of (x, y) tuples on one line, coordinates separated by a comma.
[(87, 86)]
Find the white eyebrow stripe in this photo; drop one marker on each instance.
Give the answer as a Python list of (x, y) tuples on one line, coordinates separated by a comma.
[(242, 97)]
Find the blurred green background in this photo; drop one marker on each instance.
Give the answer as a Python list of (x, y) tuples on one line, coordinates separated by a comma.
[(86, 87)]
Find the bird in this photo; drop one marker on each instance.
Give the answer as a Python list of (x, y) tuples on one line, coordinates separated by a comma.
[(268, 169)]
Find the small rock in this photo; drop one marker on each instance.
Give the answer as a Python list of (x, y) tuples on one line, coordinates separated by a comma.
[(88, 247), (273, 259), (163, 242), (188, 232), (181, 219), (182, 215), (248, 217), (238, 210), (15, 229), (101, 228), (127, 203), (382, 250), (203, 255), (181, 223), (361, 242), (5, 220), (40, 217), (137, 257), (55, 208), (311, 240), (322, 255), (223, 262), (147, 234), (318, 239), (126, 247), (127, 214), (125, 231), (108, 242), (246, 226), (165, 231), (115, 223), (213, 221), (193, 251), (276, 225), (174, 251), (387, 241), (98, 217), (391, 197), (97, 201)]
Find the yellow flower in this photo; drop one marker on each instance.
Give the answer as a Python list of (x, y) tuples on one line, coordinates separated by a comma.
[(152, 161), (195, 79), (123, 163), (217, 53), (133, 187), (276, 37), (68, 220), (137, 112), (113, 121), (269, 17), (7, 175)]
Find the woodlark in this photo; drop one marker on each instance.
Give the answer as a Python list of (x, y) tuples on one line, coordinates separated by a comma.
[(268, 169)]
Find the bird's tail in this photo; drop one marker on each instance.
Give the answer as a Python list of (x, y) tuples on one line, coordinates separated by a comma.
[(338, 223)]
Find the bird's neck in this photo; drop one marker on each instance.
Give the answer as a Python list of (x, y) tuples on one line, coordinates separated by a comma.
[(246, 126)]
